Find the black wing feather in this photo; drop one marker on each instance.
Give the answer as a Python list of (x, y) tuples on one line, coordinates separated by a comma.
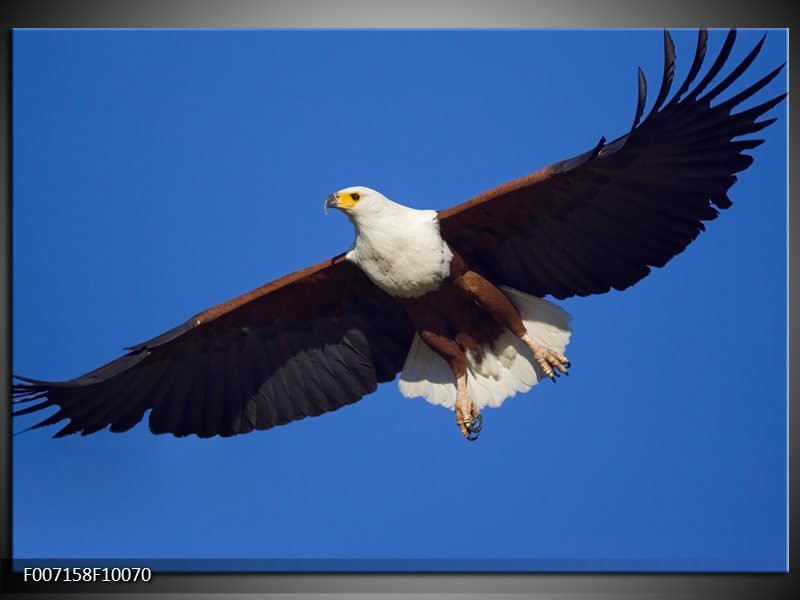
[(304, 345), (603, 219)]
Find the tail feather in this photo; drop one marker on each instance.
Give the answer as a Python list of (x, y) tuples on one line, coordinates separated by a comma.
[(506, 368)]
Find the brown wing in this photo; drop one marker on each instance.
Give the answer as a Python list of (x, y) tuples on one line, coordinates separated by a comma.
[(303, 345), (602, 219)]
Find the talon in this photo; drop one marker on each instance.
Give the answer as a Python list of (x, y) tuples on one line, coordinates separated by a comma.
[(468, 416), (477, 424), (552, 363), (470, 429), (474, 428)]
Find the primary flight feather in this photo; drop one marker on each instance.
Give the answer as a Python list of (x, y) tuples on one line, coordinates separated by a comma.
[(452, 300)]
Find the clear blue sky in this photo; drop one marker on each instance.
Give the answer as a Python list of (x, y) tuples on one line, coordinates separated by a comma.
[(157, 173)]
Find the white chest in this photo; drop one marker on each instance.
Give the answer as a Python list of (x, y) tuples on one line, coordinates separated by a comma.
[(407, 259)]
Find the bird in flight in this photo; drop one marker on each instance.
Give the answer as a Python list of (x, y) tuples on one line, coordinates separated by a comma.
[(453, 300)]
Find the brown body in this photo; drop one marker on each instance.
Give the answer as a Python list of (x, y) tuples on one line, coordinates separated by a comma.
[(466, 313)]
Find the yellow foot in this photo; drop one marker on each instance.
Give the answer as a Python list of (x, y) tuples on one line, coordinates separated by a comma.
[(550, 361), (469, 420)]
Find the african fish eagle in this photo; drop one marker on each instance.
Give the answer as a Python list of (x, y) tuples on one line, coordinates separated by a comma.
[(453, 299)]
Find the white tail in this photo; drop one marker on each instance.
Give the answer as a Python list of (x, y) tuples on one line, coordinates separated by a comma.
[(506, 369)]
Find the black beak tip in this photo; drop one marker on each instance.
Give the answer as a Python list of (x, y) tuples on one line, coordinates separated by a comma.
[(331, 201)]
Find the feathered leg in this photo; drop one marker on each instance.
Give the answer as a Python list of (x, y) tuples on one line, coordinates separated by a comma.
[(432, 330), (468, 416), (503, 311)]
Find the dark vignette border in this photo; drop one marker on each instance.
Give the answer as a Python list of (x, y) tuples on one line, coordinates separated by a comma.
[(362, 13)]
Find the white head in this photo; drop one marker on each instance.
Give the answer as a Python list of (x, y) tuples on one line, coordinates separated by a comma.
[(358, 202)]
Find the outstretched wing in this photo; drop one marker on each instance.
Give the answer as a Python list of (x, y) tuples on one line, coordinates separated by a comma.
[(601, 220), (303, 345)]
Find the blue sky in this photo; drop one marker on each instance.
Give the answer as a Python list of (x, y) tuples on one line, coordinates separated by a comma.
[(157, 173)]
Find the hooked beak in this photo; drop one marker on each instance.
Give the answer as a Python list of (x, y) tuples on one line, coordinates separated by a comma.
[(331, 201)]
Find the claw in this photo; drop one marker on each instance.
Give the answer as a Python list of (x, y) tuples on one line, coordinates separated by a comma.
[(552, 363), (477, 424), (468, 416), (472, 430)]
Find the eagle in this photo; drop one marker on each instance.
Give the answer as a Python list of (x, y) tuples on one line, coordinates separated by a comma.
[(452, 300)]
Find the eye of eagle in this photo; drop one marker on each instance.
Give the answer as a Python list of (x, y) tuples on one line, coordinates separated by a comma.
[(355, 196)]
